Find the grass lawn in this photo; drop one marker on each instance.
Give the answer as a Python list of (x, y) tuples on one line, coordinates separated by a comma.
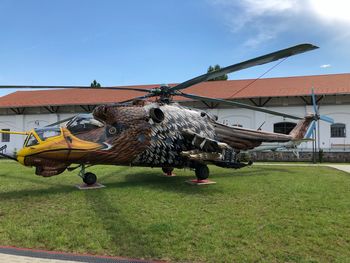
[(263, 213)]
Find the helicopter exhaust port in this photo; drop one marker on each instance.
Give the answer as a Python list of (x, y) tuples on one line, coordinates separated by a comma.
[(156, 114)]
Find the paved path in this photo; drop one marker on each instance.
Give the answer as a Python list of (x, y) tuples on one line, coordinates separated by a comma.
[(341, 167), (7, 258), (23, 255), (344, 168), (289, 164)]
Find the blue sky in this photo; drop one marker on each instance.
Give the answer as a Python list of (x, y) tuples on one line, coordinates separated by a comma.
[(72, 42)]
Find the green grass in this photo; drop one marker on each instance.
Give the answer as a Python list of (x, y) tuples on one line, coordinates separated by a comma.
[(264, 213)]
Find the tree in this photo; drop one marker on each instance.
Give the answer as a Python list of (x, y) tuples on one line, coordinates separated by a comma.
[(95, 84), (215, 68)]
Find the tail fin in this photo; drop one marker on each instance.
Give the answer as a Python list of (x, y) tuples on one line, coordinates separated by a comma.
[(302, 126)]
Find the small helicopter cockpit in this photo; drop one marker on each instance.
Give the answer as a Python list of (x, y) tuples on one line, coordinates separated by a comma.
[(78, 126), (42, 134), (83, 123)]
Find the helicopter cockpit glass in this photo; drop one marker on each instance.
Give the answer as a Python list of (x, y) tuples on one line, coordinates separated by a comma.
[(83, 123), (31, 141), (48, 132)]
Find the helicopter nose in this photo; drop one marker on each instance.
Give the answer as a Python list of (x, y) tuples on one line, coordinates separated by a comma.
[(20, 157)]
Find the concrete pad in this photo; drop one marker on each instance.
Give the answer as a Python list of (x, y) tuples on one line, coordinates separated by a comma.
[(200, 182), (167, 175), (89, 187)]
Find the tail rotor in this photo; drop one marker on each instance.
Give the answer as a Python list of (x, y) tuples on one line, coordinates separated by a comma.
[(317, 116)]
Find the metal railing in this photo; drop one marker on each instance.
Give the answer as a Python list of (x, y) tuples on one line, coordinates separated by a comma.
[(3, 148)]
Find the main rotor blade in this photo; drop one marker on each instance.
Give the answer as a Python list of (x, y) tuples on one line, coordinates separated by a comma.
[(61, 121), (246, 64), (137, 98), (241, 105), (71, 87)]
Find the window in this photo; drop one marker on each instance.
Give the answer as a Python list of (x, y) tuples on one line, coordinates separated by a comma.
[(5, 137), (284, 127), (338, 130), (45, 133), (83, 123), (32, 141)]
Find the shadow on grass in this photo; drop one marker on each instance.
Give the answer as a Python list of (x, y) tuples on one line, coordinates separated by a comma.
[(154, 181), (135, 180), (28, 193), (26, 178), (150, 179), (126, 238), (254, 171)]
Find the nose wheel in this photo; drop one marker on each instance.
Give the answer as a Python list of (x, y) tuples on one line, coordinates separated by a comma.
[(88, 177)]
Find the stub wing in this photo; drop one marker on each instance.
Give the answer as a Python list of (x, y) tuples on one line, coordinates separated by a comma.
[(203, 143)]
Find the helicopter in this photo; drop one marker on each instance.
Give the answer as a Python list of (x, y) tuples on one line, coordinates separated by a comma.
[(153, 130)]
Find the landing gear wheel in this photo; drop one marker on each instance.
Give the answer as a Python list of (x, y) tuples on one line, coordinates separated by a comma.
[(89, 178), (168, 170), (202, 172)]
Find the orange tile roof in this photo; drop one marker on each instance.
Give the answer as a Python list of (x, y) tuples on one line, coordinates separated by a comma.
[(232, 89)]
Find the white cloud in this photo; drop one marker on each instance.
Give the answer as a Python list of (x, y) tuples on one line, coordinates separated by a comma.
[(262, 36), (259, 17), (325, 66), (264, 20), (260, 7), (335, 11)]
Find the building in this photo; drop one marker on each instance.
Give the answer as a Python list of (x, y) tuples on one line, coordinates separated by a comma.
[(24, 110)]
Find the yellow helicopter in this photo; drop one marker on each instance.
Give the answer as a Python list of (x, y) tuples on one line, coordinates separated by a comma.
[(58, 146)]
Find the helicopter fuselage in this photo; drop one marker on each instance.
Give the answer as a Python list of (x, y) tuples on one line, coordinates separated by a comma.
[(149, 134)]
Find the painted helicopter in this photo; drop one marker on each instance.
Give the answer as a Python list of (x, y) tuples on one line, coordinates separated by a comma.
[(153, 131)]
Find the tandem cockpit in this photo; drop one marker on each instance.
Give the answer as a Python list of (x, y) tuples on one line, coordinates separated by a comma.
[(38, 135), (80, 126), (80, 136)]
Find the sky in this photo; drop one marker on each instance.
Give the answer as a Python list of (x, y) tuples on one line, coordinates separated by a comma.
[(72, 42)]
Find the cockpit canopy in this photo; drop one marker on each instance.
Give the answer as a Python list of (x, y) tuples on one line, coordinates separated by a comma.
[(83, 123), (43, 134), (78, 125)]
